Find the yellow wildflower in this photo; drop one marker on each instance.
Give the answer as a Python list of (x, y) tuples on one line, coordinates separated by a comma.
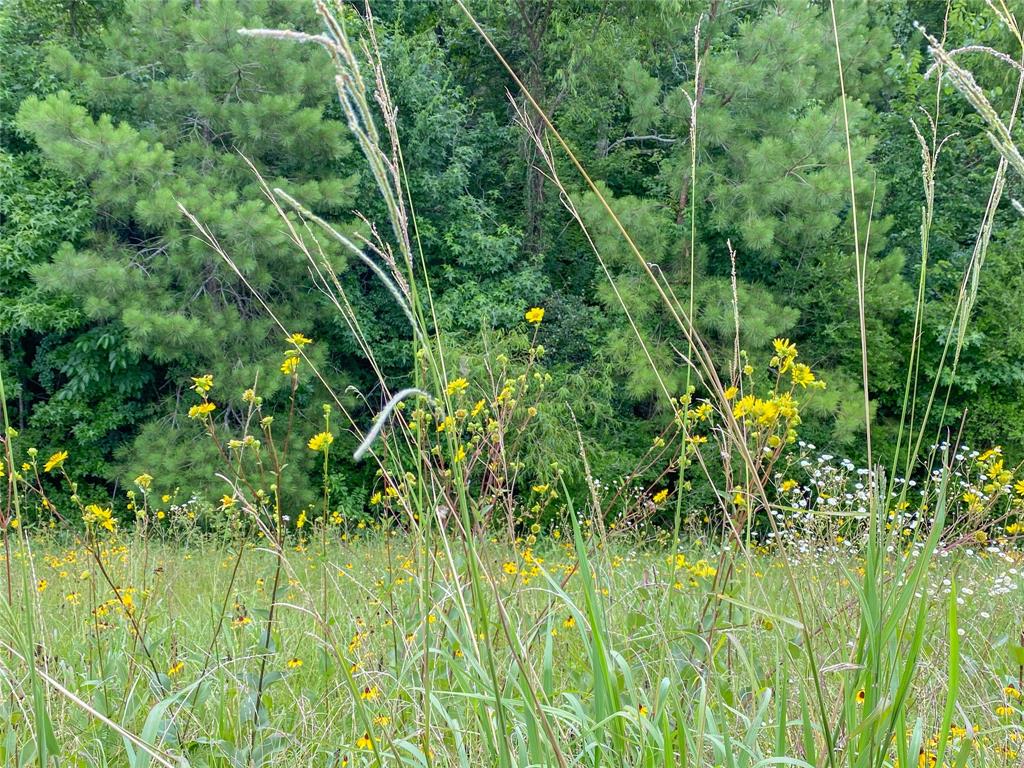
[(291, 363), (785, 354), (320, 441), (201, 410), (103, 517), (202, 384), (457, 386), (299, 340), (55, 461), (802, 375), (534, 315)]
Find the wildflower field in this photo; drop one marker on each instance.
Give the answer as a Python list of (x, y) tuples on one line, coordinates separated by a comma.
[(358, 411), (605, 650)]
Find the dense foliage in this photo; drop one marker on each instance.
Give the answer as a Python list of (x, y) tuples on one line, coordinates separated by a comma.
[(112, 114)]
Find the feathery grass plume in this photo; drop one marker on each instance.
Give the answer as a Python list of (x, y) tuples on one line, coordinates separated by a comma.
[(399, 298), (964, 82), (383, 416)]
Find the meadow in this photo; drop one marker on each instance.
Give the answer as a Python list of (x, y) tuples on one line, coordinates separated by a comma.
[(700, 671), (740, 597), (340, 642)]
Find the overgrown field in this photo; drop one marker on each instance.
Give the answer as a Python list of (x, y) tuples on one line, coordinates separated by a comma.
[(287, 483), (376, 652)]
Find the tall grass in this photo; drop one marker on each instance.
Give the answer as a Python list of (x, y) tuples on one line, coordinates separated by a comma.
[(745, 672)]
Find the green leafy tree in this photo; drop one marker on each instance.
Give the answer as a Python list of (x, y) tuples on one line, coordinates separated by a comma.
[(167, 112)]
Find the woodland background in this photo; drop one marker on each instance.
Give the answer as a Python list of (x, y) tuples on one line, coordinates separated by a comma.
[(113, 111)]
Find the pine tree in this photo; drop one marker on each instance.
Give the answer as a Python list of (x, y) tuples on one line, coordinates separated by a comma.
[(166, 112)]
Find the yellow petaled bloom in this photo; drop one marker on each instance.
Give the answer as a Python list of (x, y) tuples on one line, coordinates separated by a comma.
[(456, 386), (642, 710), (55, 461), (460, 454), (300, 522), (788, 485), (95, 515), (202, 384), (299, 340), (1011, 691), (785, 354), (226, 502), (730, 393), (321, 441), (784, 348), (660, 496), (861, 695), (534, 315), (294, 662), (364, 742), (802, 375), (41, 585), (744, 406), (1005, 711), (702, 412), (175, 668), (144, 481), (376, 498), (291, 362), (201, 410), (369, 693), (991, 452)]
